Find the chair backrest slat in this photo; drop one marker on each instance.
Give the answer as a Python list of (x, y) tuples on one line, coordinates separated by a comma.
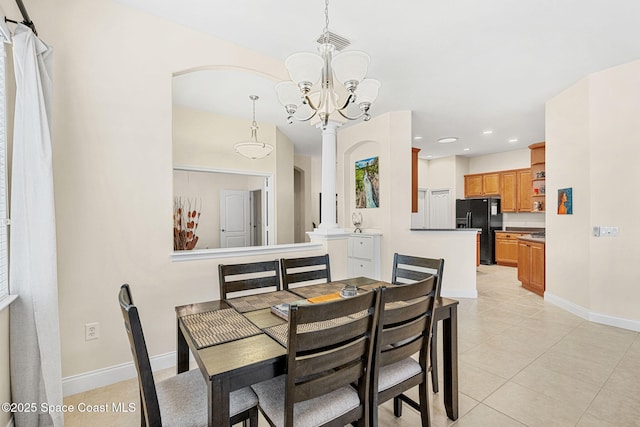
[(410, 269), (404, 324), (337, 352), (248, 276), (133, 326), (302, 270)]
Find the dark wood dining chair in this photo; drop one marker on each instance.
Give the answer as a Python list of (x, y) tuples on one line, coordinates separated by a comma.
[(301, 271), (409, 269), (180, 400), (248, 276), (328, 365), (404, 328)]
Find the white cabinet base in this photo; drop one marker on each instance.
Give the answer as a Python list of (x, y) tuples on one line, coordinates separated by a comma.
[(364, 255)]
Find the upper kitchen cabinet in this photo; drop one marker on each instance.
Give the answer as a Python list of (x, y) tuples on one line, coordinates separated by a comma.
[(482, 185), (516, 190), (538, 176)]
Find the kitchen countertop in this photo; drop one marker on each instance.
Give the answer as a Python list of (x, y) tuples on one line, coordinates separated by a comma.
[(477, 230), (532, 238)]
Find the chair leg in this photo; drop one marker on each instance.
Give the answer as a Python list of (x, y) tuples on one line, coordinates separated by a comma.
[(424, 405), (397, 406), (253, 418), (434, 358)]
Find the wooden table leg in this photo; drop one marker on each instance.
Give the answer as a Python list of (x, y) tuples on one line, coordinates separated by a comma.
[(450, 365), (182, 352), (219, 403)]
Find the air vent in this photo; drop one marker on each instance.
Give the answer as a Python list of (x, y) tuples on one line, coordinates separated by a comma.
[(338, 41)]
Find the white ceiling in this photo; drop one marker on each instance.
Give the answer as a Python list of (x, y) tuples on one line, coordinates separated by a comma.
[(461, 66)]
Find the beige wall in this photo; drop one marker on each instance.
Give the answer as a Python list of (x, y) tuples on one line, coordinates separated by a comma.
[(305, 165), (284, 189), (389, 137), (112, 133), (203, 188), (592, 134), (515, 159)]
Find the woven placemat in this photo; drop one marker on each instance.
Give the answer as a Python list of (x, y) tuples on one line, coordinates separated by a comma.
[(281, 332), (260, 301), (312, 291), (216, 327)]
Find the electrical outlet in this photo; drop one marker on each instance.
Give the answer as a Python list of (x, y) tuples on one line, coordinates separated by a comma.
[(609, 231), (91, 331)]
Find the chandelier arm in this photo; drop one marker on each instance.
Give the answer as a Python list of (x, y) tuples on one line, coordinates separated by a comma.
[(348, 101), (362, 114), (310, 103), (305, 119)]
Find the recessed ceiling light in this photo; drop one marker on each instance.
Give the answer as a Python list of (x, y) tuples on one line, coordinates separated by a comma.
[(417, 137), (487, 132), (513, 140), (467, 149), (447, 140), (429, 157)]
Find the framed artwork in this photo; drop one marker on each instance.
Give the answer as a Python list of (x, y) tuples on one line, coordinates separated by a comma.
[(565, 201), (367, 183)]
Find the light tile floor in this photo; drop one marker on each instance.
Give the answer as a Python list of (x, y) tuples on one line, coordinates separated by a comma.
[(523, 362)]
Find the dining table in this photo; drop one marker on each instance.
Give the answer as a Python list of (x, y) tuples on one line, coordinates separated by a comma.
[(238, 342)]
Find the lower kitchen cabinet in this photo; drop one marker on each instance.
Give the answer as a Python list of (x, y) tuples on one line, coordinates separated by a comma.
[(531, 261), (507, 248)]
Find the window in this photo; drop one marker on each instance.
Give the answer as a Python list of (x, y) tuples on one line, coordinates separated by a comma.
[(4, 217)]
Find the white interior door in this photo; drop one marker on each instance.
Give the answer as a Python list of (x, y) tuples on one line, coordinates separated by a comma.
[(234, 219), (440, 209)]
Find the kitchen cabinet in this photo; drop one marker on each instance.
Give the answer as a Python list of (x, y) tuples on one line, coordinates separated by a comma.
[(531, 265), (364, 255), (515, 190), (482, 185), (538, 176), (507, 248), (414, 179), (524, 200)]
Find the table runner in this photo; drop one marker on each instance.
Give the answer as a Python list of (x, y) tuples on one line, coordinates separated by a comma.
[(260, 301), (216, 327), (312, 291)]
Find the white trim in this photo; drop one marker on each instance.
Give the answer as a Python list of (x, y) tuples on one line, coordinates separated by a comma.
[(237, 252), (113, 374), (454, 293), (6, 302), (604, 319), (11, 424)]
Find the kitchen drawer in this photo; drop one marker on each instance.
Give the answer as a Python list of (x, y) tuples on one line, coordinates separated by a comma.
[(361, 268), (361, 247)]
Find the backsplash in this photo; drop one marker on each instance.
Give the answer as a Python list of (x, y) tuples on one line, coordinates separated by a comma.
[(524, 219)]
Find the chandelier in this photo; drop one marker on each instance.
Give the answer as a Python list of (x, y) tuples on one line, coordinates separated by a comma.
[(253, 149), (313, 82)]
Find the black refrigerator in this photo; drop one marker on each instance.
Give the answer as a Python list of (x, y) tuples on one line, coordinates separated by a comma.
[(483, 214)]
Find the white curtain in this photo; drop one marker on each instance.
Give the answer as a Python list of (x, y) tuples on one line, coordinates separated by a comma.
[(35, 332)]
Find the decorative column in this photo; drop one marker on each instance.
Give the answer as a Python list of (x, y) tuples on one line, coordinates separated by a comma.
[(329, 224)]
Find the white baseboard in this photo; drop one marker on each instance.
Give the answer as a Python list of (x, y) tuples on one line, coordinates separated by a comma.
[(113, 374), (453, 293), (582, 312)]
